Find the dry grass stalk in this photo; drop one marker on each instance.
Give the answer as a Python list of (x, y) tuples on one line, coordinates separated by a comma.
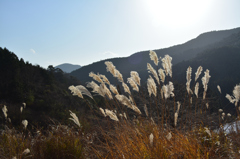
[(133, 84), (151, 86), (153, 71), (154, 57), (74, 118), (126, 88), (199, 71)]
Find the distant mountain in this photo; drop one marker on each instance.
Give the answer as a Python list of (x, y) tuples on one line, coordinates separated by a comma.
[(180, 53), (66, 67)]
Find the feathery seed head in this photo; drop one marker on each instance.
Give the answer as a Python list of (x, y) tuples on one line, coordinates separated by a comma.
[(96, 88), (21, 109), (133, 84), (110, 68), (106, 91), (199, 71), (74, 118), (126, 88), (75, 91), (169, 136), (4, 110), (104, 78), (151, 139), (25, 123), (220, 110), (135, 77), (229, 115), (167, 65), (84, 91), (154, 57), (26, 151), (102, 111), (207, 105), (168, 90), (95, 77), (111, 114), (151, 85), (127, 102), (24, 105), (219, 88), (153, 71), (236, 94), (161, 74), (113, 89), (118, 75)]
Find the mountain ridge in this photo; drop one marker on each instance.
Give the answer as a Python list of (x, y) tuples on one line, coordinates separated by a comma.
[(67, 67)]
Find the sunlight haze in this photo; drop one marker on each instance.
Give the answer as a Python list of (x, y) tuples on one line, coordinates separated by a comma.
[(82, 32)]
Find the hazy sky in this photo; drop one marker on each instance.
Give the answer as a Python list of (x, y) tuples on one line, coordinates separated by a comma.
[(52, 32)]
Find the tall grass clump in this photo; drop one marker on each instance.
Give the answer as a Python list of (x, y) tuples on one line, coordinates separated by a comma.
[(157, 120)]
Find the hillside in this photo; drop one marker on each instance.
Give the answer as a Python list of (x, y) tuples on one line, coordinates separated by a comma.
[(45, 92), (184, 52)]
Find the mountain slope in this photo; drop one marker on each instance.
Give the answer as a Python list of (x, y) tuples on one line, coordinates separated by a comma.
[(138, 61), (66, 67)]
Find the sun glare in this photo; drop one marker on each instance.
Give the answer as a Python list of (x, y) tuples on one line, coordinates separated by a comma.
[(175, 12)]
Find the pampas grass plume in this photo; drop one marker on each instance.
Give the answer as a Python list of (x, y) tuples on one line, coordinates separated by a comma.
[(25, 123), (199, 71), (153, 71), (111, 114), (154, 57), (74, 118), (4, 110)]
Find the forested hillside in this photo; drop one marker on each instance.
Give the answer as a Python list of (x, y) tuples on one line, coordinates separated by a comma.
[(45, 92)]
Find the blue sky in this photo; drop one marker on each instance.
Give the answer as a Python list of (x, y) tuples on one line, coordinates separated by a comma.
[(85, 31)]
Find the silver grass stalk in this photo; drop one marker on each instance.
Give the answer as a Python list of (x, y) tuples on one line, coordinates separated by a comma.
[(236, 94), (106, 91), (188, 77), (151, 86), (154, 57), (96, 88), (207, 105), (113, 89), (75, 91), (145, 109), (24, 105), (151, 139), (175, 119), (25, 123), (74, 118), (219, 89), (110, 68), (167, 65), (205, 81), (103, 112), (169, 136), (168, 90), (4, 110), (26, 151), (21, 109), (84, 91), (153, 71), (162, 75), (133, 84), (230, 98), (127, 102), (176, 113), (199, 71), (196, 89), (118, 75), (208, 131), (135, 77), (96, 77), (104, 78), (111, 114), (126, 88)]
